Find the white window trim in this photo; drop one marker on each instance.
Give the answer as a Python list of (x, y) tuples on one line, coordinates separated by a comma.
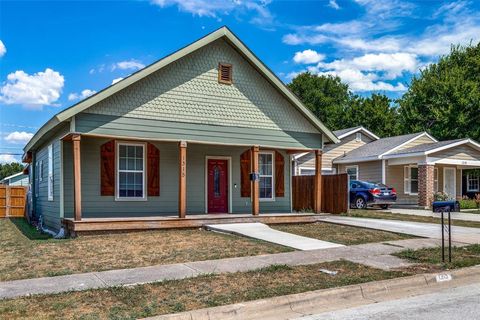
[(408, 181), (40, 171), (273, 175), (435, 181), (50, 173), (302, 169), (468, 183), (37, 178), (356, 168), (117, 171)]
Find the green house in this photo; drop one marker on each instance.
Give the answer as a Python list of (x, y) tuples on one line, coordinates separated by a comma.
[(208, 129)]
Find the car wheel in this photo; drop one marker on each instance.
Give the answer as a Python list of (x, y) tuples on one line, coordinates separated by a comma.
[(384, 206), (360, 203)]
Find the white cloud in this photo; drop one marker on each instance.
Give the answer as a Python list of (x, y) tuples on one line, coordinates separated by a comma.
[(128, 65), (308, 57), (116, 80), (32, 91), (3, 49), (82, 95), (333, 4), (359, 81), (8, 158), (19, 137)]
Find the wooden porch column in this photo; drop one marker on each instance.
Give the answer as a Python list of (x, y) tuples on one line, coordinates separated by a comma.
[(182, 179), (77, 177), (255, 183), (317, 187)]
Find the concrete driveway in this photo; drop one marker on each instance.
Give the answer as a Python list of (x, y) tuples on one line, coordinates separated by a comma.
[(428, 213), (420, 229)]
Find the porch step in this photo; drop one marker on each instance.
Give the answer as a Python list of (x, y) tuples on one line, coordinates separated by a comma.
[(263, 232)]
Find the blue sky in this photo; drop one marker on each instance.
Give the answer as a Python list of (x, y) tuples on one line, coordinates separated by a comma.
[(53, 54)]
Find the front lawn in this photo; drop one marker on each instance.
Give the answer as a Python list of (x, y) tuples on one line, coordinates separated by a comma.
[(375, 214), (189, 294), (26, 254), (461, 257), (340, 234)]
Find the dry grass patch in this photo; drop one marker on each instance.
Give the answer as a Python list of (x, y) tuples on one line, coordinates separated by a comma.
[(340, 234), (188, 294), (22, 257), (374, 214)]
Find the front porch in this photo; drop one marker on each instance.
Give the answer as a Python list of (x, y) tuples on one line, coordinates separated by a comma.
[(118, 184)]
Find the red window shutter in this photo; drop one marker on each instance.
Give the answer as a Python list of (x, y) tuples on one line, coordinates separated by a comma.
[(107, 170), (245, 167), (279, 175), (153, 171)]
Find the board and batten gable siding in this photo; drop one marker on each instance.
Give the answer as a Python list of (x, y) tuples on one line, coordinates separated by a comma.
[(462, 152), (184, 101), (50, 210), (96, 206), (421, 140), (370, 171)]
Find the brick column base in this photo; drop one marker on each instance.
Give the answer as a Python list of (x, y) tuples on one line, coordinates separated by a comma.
[(425, 185)]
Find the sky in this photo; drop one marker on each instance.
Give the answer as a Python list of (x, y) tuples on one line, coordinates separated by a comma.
[(54, 54)]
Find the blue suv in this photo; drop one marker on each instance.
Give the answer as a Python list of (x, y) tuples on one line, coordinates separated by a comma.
[(364, 194)]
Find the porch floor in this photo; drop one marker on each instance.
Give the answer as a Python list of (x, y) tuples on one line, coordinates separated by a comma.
[(98, 225)]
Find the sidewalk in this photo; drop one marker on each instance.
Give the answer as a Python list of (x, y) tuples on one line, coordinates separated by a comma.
[(376, 255), (428, 213)]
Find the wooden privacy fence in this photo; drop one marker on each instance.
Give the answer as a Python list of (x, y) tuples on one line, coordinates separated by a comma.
[(334, 193), (12, 201)]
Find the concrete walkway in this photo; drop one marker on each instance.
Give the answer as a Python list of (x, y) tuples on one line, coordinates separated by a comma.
[(376, 255), (263, 232), (426, 230), (428, 213)]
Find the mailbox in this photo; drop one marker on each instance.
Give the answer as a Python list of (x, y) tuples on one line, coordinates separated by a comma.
[(452, 206), (254, 176)]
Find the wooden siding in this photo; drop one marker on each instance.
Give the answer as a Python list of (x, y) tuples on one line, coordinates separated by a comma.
[(188, 91), (106, 125), (367, 171), (96, 206), (395, 179), (416, 142), (463, 152), (50, 210), (332, 151)]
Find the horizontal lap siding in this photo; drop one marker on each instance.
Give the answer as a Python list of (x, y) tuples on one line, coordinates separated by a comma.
[(95, 205), (50, 210), (458, 153), (416, 142), (395, 179), (367, 171)]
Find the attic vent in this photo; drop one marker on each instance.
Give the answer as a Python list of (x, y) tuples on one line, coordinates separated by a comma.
[(225, 73)]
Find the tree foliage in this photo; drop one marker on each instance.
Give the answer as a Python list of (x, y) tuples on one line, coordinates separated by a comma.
[(444, 99), (7, 169)]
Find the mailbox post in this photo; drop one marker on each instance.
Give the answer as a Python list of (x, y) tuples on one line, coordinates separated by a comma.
[(442, 207)]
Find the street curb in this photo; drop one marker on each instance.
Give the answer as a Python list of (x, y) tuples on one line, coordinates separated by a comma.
[(297, 305)]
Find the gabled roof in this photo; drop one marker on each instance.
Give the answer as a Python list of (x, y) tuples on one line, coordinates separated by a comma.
[(223, 32), (348, 131), (375, 149), (429, 148)]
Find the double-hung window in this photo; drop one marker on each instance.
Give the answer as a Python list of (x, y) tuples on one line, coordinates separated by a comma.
[(266, 168), (352, 172), (473, 183), (435, 180), (50, 173), (131, 171), (410, 179)]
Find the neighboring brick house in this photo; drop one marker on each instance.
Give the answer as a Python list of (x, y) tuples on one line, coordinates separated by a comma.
[(416, 165), (207, 129)]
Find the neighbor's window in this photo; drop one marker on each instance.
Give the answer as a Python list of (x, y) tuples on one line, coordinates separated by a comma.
[(473, 183), (50, 173), (265, 161), (435, 180), (131, 171), (352, 172), (411, 179), (358, 136), (225, 73)]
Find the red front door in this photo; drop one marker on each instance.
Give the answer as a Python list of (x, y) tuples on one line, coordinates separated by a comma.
[(217, 186)]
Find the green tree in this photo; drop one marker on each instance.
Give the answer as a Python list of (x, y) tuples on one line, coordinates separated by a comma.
[(444, 99), (326, 96), (7, 169), (375, 113)]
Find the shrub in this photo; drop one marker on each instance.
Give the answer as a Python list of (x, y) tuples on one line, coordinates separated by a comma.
[(467, 203), (440, 196)]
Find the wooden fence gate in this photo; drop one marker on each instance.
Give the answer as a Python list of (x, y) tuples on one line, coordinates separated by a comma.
[(334, 193), (12, 201)]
